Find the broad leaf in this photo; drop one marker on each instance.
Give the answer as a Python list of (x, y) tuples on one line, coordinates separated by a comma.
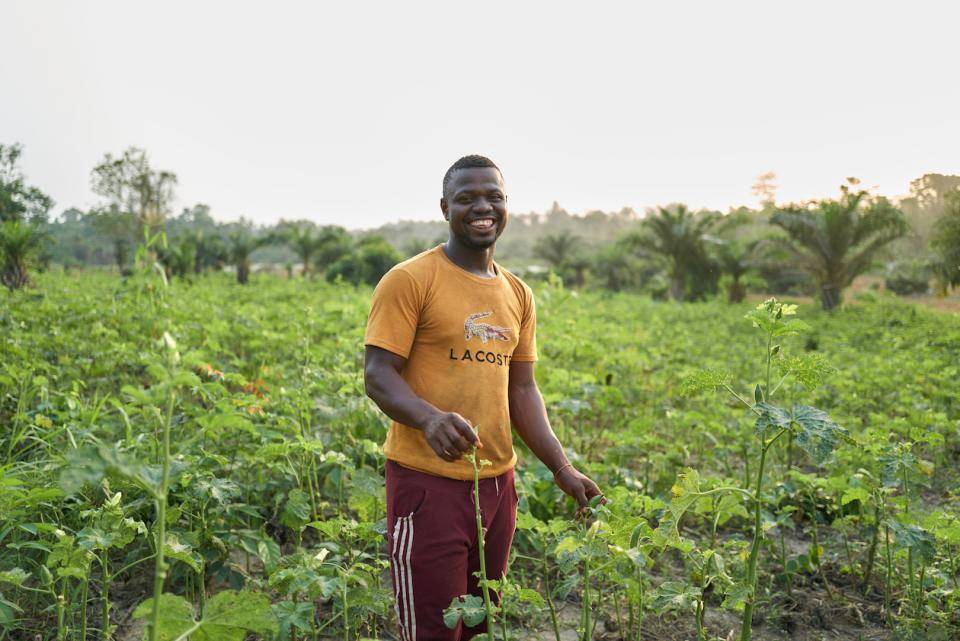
[(467, 608), (228, 616), (293, 615), (817, 434), (771, 417), (914, 537), (676, 596)]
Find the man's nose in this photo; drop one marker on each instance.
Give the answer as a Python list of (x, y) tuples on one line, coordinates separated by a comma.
[(482, 206)]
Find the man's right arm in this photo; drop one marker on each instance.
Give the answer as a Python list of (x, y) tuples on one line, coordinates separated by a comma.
[(448, 433)]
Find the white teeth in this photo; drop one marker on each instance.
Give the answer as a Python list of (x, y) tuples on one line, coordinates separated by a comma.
[(484, 223)]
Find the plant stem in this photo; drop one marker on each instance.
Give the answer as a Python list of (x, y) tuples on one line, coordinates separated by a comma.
[(346, 611), (160, 568), (549, 591), (84, 592), (585, 605), (480, 536), (747, 622), (105, 596), (889, 574), (61, 611), (640, 605), (872, 554)]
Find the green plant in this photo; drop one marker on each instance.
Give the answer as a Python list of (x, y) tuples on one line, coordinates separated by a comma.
[(811, 429), (19, 242), (836, 240)]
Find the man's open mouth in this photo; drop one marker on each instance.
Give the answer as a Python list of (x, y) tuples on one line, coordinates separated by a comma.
[(482, 223)]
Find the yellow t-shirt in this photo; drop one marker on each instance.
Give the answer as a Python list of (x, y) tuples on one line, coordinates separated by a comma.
[(459, 332)]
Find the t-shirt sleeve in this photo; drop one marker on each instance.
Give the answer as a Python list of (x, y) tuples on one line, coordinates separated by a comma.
[(394, 313), (527, 344)]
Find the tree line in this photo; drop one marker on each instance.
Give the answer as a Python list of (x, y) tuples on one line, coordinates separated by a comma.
[(136, 203), (816, 247)]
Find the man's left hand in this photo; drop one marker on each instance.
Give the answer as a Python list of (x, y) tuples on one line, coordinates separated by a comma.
[(577, 485)]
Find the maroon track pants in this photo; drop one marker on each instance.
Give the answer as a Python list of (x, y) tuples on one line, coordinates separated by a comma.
[(432, 539)]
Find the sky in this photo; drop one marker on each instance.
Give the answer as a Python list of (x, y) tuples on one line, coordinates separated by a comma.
[(349, 113)]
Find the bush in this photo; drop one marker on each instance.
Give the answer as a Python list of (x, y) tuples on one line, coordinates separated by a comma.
[(907, 279), (367, 263)]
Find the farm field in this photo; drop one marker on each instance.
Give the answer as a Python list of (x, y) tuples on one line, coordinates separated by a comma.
[(230, 423)]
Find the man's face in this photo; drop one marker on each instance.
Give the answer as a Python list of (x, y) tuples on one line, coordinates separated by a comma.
[(475, 205)]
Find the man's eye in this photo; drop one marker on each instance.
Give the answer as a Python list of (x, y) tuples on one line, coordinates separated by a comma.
[(496, 197), (464, 200)]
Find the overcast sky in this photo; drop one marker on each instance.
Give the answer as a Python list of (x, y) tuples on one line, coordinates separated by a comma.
[(350, 112)]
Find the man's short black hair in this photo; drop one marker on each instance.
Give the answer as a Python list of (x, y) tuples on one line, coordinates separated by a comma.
[(467, 162)]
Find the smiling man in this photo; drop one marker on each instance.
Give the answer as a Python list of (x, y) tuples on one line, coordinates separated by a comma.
[(450, 349)]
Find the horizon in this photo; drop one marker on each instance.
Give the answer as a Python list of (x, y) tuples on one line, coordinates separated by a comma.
[(327, 115)]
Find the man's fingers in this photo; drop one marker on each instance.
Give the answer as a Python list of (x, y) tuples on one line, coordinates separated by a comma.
[(443, 448), (462, 444), (464, 430), (580, 495), (592, 490)]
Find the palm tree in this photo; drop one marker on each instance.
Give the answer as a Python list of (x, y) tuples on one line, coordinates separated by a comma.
[(304, 242), (333, 244), (242, 244), (835, 240), (678, 236), (18, 242), (557, 249), (946, 244), (736, 260)]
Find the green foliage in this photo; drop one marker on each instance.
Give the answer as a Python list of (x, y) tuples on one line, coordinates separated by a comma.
[(946, 243), (19, 243), (227, 616), (468, 608), (678, 235), (837, 240), (272, 436), (367, 263), (19, 202)]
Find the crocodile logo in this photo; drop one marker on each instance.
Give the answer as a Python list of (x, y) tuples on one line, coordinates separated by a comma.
[(483, 331)]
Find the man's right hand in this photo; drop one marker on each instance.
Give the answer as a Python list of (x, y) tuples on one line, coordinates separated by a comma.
[(450, 435)]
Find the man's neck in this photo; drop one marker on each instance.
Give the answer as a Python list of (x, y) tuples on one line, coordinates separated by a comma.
[(475, 261)]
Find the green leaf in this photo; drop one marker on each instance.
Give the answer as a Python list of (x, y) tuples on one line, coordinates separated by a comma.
[(177, 549), (809, 368), (771, 417), (675, 596), (817, 435), (293, 615), (685, 493), (702, 380), (7, 612), (914, 537), (526, 521), (269, 552), (15, 576), (228, 616), (297, 510), (526, 595), (855, 494), (813, 429), (176, 616), (468, 608)]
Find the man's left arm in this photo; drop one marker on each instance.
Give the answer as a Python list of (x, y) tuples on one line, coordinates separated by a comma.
[(529, 417)]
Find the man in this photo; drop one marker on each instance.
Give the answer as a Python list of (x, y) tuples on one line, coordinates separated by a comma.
[(450, 348)]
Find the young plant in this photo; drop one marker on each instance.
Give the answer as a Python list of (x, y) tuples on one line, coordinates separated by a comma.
[(811, 429), (464, 608)]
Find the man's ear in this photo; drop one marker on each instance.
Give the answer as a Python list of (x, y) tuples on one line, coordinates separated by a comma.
[(445, 209)]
